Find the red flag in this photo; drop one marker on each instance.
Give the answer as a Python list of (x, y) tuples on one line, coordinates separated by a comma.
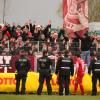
[(75, 14)]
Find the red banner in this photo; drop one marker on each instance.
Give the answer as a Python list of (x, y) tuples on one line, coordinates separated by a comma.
[(75, 14), (9, 62)]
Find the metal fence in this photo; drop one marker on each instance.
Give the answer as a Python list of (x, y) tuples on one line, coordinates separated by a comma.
[(12, 48), (8, 50)]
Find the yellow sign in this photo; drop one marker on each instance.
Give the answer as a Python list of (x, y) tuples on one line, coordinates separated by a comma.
[(7, 83)]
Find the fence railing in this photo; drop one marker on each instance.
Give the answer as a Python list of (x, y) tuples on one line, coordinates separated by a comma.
[(7, 50), (13, 48)]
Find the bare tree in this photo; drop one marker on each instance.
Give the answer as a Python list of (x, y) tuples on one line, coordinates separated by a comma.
[(60, 10), (94, 10)]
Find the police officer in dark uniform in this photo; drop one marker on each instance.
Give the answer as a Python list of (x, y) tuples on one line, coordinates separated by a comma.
[(95, 68), (22, 67), (44, 64), (64, 69)]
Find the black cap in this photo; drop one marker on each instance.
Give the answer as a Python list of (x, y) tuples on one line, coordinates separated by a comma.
[(98, 55), (18, 26), (44, 52), (78, 54), (66, 52), (59, 53)]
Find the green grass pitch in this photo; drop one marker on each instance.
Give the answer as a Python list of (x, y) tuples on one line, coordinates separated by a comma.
[(46, 97)]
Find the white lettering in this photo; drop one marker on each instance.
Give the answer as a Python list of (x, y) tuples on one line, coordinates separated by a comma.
[(6, 59)]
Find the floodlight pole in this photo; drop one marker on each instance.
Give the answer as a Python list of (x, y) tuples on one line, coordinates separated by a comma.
[(4, 6)]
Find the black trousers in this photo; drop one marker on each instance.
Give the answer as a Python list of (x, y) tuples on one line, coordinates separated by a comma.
[(64, 83), (95, 77), (41, 81), (18, 79)]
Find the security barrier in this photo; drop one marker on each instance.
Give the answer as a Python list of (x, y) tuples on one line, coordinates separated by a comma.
[(7, 83)]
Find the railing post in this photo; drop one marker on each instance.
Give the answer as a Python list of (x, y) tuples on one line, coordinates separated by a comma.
[(38, 45), (8, 44), (5, 69)]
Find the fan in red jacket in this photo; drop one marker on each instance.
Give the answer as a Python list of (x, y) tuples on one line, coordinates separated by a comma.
[(79, 73)]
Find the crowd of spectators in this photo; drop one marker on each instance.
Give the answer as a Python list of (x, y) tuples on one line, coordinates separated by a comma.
[(35, 38)]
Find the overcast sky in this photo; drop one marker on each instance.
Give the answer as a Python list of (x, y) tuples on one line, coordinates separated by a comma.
[(38, 10)]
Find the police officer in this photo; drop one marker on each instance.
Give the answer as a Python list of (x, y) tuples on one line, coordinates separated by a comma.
[(44, 64), (95, 68), (22, 67), (64, 69)]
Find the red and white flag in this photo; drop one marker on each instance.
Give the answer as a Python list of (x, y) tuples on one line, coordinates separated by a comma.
[(75, 15)]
